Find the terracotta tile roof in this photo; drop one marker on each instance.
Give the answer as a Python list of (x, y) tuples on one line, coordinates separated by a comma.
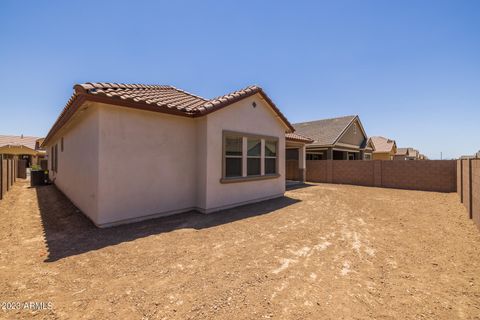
[(158, 95), (382, 144), (326, 131), (28, 142), (159, 98), (293, 136)]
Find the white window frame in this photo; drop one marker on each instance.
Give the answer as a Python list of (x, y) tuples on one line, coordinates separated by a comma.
[(260, 157), (245, 157), (265, 157)]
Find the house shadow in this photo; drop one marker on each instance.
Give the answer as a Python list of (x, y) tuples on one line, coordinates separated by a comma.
[(68, 232), (299, 185)]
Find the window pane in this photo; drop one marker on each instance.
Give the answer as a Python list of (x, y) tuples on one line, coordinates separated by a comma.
[(270, 165), (270, 148), (254, 146), (233, 167), (253, 166), (233, 146)]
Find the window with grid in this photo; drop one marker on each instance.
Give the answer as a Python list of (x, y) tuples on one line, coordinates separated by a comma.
[(270, 156), (249, 156), (254, 157), (233, 156)]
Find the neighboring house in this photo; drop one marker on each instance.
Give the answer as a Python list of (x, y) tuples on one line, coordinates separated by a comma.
[(123, 152), (339, 139), (23, 147), (383, 148), (295, 158), (407, 154)]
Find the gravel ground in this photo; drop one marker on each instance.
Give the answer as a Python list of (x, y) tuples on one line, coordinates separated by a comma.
[(323, 251)]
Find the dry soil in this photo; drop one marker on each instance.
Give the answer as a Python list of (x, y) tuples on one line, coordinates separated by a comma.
[(321, 252)]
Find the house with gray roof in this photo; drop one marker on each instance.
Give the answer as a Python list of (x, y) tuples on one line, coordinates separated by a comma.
[(342, 138)]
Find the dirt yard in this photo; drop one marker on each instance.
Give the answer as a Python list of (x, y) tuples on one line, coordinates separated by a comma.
[(323, 251)]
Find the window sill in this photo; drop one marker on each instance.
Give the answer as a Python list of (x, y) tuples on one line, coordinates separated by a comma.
[(251, 178)]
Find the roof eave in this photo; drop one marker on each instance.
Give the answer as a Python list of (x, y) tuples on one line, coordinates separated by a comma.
[(249, 94), (81, 95)]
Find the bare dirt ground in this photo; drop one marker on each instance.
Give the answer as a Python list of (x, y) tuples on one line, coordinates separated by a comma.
[(322, 252)]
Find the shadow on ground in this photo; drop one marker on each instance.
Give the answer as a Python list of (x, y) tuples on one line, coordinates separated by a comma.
[(299, 185), (68, 232)]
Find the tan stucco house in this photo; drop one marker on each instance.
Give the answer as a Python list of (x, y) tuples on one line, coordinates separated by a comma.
[(22, 147), (383, 148), (123, 153), (408, 154), (340, 138)]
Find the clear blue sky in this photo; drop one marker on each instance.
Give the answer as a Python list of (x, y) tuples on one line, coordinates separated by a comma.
[(410, 69)]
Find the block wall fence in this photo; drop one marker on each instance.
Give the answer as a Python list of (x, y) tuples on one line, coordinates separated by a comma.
[(8, 174), (426, 175), (468, 190)]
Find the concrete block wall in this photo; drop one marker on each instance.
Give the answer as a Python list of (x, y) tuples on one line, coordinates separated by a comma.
[(459, 180), (476, 191), (429, 175), (317, 171), (469, 181), (8, 171), (353, 172), (466, 185)]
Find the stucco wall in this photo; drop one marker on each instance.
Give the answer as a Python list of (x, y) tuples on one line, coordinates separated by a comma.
[(147, 164), (122, 164), (77, 175), (241, 117)]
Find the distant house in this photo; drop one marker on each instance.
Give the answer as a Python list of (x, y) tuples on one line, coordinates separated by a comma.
[(23, 147), (128, 152), (407, 154), (383, 148), (340, 138)]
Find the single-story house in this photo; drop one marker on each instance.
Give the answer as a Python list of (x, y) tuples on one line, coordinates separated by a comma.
[(336, 139), (22, 147), (383, 148), (128, 152)]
